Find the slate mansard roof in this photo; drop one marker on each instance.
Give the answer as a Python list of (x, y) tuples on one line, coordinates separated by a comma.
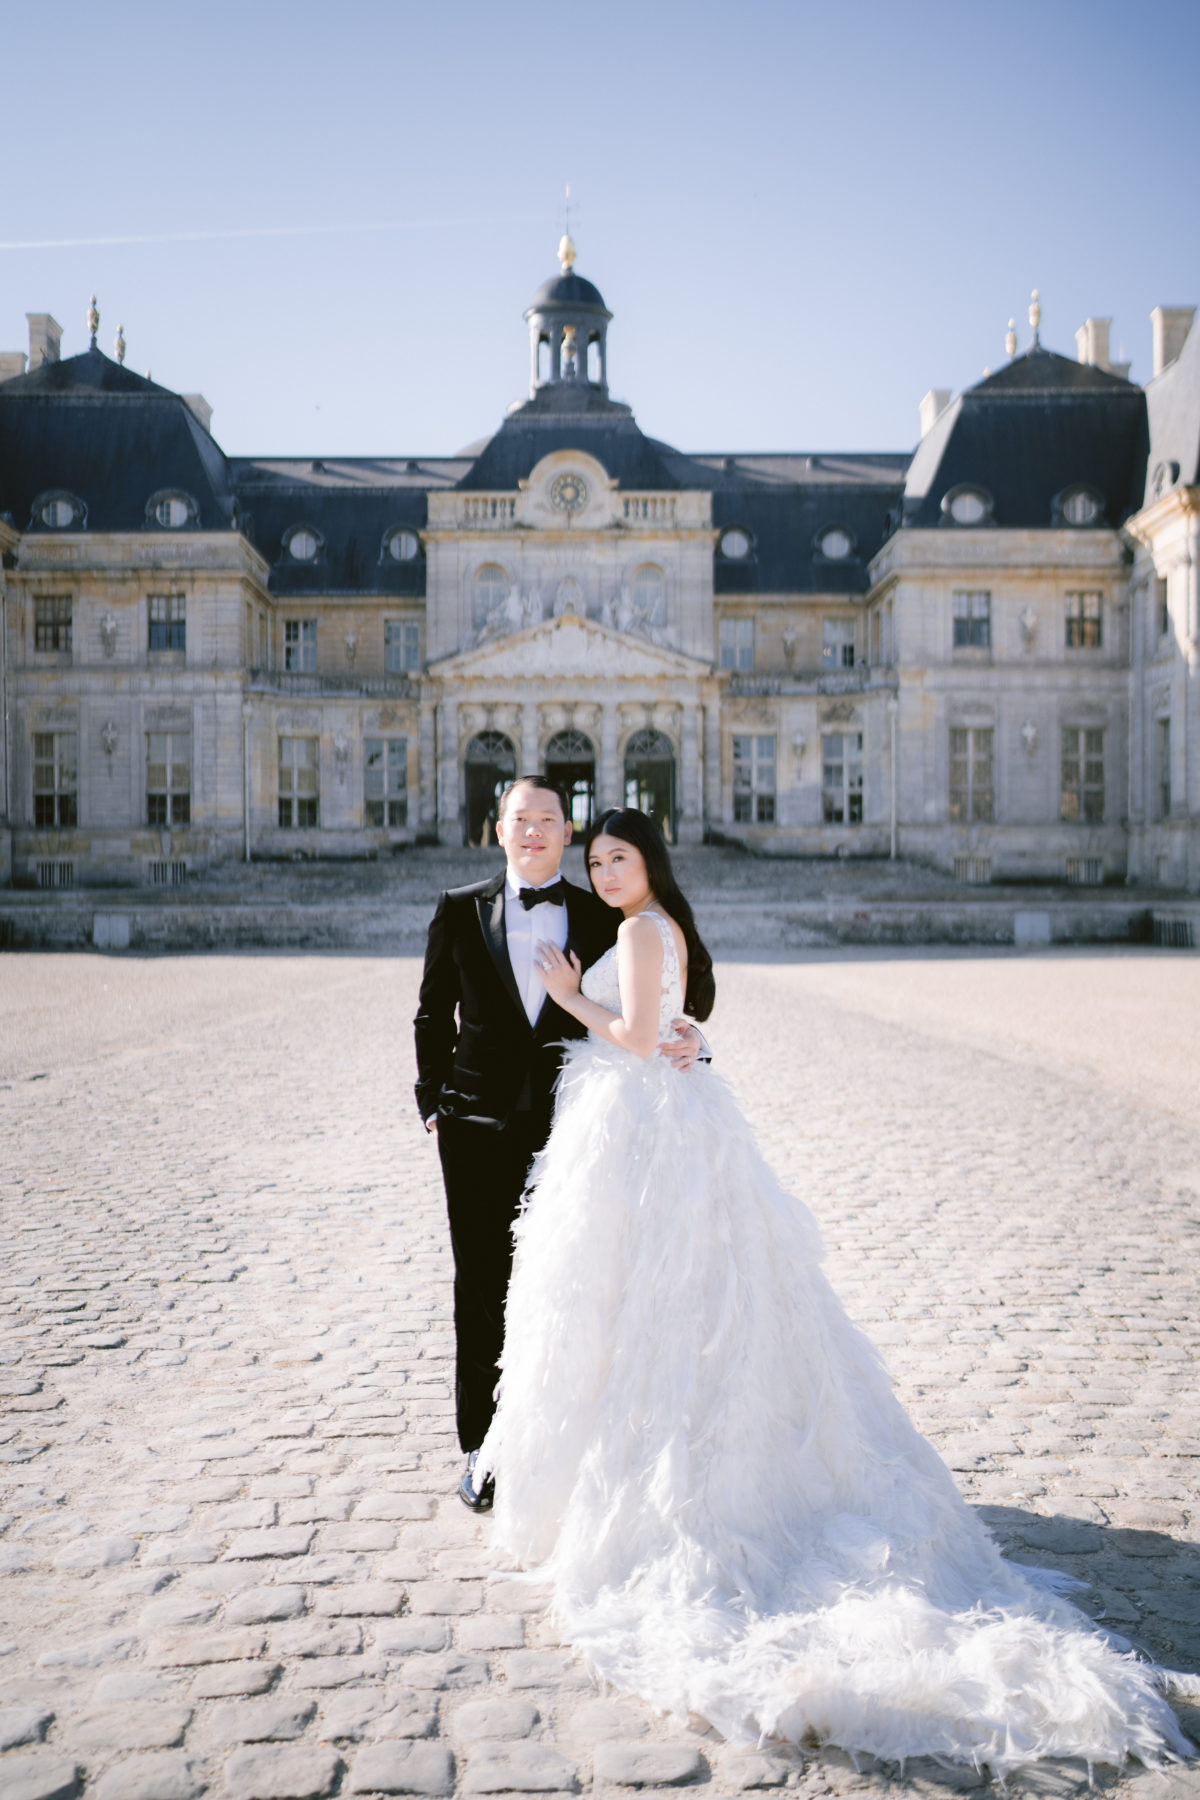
[(91, 428), (1037, 427), (1173, 410), (1026, 435)]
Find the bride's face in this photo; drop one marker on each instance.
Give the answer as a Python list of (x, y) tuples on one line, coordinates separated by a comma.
[(618, 873)]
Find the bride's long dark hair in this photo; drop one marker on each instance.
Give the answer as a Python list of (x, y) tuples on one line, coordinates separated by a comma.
[(638, 829)]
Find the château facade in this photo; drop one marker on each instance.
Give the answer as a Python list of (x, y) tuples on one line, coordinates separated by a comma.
[(981, 653)]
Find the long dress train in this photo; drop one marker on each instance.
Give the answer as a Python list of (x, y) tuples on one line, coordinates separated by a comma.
[(707, 1460)]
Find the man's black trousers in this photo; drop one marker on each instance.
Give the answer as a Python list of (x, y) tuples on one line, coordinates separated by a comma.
[(485, 1172)]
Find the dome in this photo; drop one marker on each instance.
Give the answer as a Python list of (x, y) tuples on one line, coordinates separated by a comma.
[(567, 290)]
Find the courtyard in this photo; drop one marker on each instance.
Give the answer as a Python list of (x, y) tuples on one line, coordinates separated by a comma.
[(231, 1557)]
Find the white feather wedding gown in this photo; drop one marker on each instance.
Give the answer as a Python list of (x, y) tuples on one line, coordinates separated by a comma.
[(706, 1458)]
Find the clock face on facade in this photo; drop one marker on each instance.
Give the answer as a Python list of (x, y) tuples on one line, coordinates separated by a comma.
[(568, 493)]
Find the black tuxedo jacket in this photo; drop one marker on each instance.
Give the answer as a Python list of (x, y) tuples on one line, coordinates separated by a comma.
[(478, 1057)]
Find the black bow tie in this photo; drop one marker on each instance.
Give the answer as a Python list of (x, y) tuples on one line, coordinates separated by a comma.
[(554, 895)]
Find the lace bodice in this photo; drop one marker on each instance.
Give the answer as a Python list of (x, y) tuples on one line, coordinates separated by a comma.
[(601, 985)]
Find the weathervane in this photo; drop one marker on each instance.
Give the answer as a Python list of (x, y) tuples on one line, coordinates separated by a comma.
[(566, 248)]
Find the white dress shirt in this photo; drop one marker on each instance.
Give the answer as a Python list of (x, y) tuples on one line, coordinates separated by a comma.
[(524, 928)]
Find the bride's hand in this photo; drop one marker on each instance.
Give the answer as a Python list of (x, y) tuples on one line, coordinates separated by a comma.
[(560, 974)]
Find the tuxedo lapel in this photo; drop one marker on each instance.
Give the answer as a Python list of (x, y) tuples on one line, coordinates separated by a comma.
[(491, 919)]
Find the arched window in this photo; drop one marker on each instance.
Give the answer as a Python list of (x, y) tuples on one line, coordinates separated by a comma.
[(571, 764), (650, 778), (649, 595), (491, 591), (491, 765)]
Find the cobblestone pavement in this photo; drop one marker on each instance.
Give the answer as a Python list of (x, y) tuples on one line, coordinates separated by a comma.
[(231, 1558)]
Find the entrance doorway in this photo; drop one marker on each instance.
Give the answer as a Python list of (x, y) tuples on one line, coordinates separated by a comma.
[(650, 778), (571, 763), (491, 765)]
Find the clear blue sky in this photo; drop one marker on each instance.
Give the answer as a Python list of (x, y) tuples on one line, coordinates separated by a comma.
[(802, 216)]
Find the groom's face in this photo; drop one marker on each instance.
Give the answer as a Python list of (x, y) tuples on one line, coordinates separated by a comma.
[(533, 832)]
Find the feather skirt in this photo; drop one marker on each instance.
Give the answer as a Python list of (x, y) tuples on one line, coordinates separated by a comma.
[(706, 1459)]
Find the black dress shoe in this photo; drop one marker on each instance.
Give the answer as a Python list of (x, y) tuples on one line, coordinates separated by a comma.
[(480, 1498)]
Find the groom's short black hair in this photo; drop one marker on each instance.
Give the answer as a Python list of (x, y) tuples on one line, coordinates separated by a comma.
[(544, 783)]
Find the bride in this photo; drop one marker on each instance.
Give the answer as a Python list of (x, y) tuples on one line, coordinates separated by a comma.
[(705, 1457)]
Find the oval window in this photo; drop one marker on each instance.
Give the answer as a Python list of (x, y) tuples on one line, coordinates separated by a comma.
[(303, 545), (835, 545), (173, 511), (969, 507), (403, 545), (735, 544), (1081, 508), (58, 514)]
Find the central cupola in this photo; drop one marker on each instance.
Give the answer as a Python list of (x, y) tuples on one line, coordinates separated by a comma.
[(568, 327)]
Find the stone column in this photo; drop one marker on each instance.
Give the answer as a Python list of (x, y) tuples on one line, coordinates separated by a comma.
[(611, 787), (427, 809), (529, 760), (691, 814), (449, 804), (713, 796)]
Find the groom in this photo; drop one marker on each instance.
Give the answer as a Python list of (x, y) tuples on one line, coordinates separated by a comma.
[(488, 1052)]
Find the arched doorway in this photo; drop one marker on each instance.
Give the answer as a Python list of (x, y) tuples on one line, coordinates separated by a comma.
[(650, 778), (571, 762), (491, 763)]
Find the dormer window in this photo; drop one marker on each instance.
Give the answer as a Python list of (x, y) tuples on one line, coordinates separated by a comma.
[(302, 544), (1080, 506), (172, 509), (735, 544), (402, 546), (835, 544), (59, 511), (968, 506)]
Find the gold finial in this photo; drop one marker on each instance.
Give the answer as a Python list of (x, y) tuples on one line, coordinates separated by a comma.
[(1010, 342), (93, 320), (119, 343), (1035, 314), (566, 254)]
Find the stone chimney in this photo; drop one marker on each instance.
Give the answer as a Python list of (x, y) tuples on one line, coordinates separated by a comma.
[(199, 407), (1092, 342), (1171, 326), (932, 407), (12, 362), (45, 337)]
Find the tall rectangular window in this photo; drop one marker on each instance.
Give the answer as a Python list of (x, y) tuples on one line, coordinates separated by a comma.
[(1082, 774), (169, 778), (299, 780), (300, 646), (972, 619), (972, 783), (55, 778), (737, 643), (401, 646), (842, 777), (385, 781), (1163, 749), (1083, 621), (52, 622), (754, 780), (1162, 605), (168, 622), (837, 643)]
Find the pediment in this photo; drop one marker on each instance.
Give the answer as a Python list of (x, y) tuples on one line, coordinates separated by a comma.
[(570, 646)]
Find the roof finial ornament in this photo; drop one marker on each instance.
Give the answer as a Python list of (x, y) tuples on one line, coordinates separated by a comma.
[(1035, 318), (119, 344), (1010, 341), (93, 320), (566, 246)]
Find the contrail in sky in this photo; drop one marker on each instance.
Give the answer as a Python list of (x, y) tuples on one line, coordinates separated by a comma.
[(263, 231)]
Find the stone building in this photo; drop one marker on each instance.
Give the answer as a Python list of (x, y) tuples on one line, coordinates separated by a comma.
[(981, 654)]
